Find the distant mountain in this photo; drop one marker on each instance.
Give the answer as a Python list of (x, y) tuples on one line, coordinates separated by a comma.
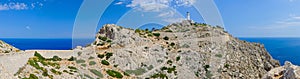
[(182, 50)]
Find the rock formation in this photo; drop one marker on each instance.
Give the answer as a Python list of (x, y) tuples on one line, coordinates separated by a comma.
[(288, 71), (6, 48), (178, 51)]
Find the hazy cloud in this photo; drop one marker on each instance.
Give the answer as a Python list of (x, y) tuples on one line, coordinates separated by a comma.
[(19, 6)]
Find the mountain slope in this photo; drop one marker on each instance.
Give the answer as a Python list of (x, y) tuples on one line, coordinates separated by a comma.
[(6, 48), (181, 50)]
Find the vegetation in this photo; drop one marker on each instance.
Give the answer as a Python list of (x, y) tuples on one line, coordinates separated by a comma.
[(83, 65), (104, 62), (101, 56), (169, 62), (115, 74), (138, 71), (102, 38), (55, 72), (72, 59), (55, 58), (178, 58), (226, 65), (219, 55), (72, 67), (32, 76), (166, 38), (172, 44), (156, 34), (108, 55), (80, 61), (206, 67), (88, 76), (159, 75), (97, 73), (92, 63)]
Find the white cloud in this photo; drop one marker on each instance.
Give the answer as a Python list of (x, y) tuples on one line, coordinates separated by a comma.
[(158, 5), (119, 3), (28, 27), (18, 6)]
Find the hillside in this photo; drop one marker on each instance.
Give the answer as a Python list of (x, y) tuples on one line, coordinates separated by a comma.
[(6, 48), (181, 50)]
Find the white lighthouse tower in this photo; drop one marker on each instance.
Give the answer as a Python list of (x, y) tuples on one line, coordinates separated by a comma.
[(188, 16)]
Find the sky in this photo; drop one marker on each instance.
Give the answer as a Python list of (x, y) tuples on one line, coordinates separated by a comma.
[(56, 18)]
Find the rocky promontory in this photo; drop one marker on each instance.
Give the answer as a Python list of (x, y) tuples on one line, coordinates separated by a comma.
[(182, 50)]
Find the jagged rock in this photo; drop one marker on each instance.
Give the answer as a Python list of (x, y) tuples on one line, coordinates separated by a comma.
[(287, 71)]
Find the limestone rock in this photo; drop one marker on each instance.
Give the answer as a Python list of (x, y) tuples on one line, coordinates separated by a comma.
[(6, 48)]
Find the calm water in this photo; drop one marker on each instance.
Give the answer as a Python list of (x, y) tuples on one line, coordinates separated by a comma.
[(282, 49), (49, 44)]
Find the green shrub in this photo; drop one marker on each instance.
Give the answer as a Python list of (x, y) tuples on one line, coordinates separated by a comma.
[(80, 61), (169, 62), (101, 56), (34, 64), (137, 31), (114, 74), (178, 58), (160, 75), (156, 34), (97, 73), (104, 62), (108, 55), (92, 63), (40, 57), (102, 38), (32, 76), (138, 71), (71, 67), (126, 74), (91, 57), (166, 38), (55, 72), (72, 59), (172, 44), (83, 65), (226, 65), (56, 58), (79, 53), (219, 55), (206, 67), (168, 31)]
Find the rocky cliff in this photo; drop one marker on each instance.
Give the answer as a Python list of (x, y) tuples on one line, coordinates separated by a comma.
[(178, 51), (6, 48), (288, 71)]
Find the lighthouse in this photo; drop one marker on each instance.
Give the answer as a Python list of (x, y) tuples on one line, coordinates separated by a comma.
[(188, 16)]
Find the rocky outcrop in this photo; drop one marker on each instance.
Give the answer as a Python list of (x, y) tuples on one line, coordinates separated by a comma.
[(181, 50), (6, 48), (287, 71)]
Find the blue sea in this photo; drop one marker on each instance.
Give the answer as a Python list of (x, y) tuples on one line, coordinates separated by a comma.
[(282, 49)]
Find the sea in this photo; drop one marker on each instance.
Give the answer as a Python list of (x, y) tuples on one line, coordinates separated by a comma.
[(282, 49)]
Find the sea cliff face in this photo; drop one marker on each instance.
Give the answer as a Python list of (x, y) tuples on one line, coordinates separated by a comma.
[(180, 50)]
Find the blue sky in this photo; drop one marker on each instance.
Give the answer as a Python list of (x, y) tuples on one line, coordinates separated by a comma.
[(55, 18)]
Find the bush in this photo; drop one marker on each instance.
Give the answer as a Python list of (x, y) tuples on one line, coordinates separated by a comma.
[(101, 56), (172, 44), (56, 58), (156, 34), (219, 55), (97, 73), (83, 65), (32, 76), (71, 67), (92, 63), (138, 71), (108, 55), (160, 75), (40, 57), (80, 61), (178, 58), (72, 59), (226, 65), (55, 72), (137, 31), (114, 74), (104, 62), (102, 38), (166, 38)]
